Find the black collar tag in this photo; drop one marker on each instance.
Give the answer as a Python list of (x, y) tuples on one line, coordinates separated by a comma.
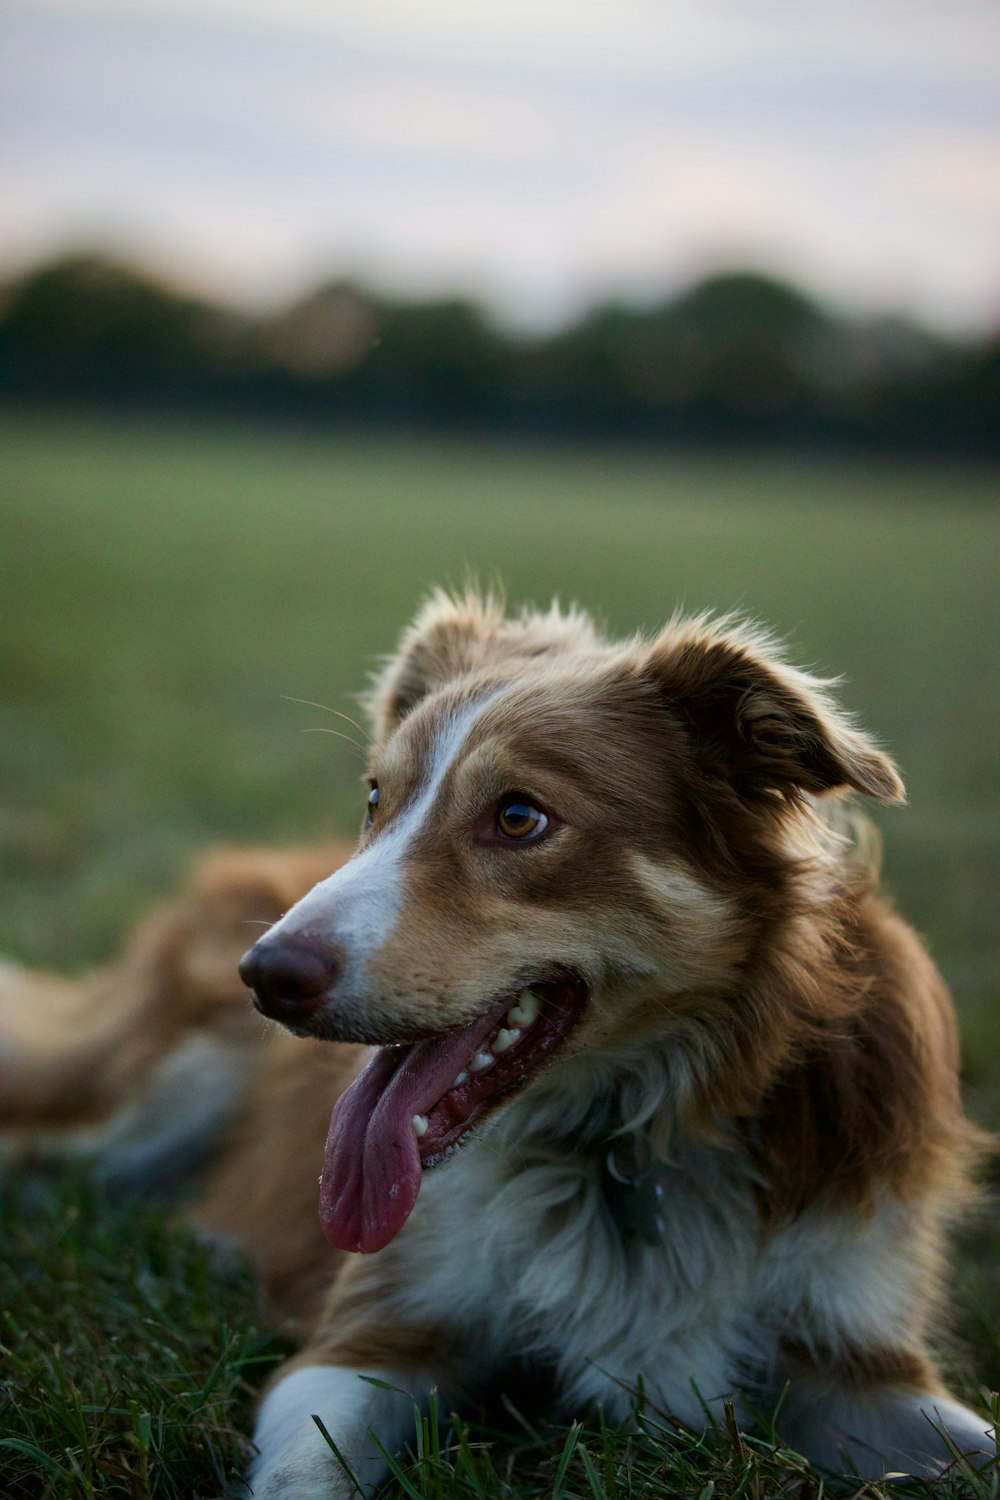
[(635, 1192)]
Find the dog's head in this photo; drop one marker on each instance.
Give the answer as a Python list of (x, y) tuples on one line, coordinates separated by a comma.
[(569, 847)]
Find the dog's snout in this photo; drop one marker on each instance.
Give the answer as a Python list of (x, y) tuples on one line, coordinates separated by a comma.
[(290, 977)]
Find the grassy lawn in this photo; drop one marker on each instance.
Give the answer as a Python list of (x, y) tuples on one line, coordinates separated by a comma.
[(166, 591)]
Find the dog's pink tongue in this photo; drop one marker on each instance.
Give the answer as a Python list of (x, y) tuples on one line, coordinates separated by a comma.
[(371, 1167)]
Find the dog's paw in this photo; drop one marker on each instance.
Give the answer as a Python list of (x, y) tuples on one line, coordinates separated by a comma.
[(295, 1461), (302, 1466), (312, 1475)]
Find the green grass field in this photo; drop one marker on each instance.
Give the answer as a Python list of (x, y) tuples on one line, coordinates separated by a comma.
[(166, 591)]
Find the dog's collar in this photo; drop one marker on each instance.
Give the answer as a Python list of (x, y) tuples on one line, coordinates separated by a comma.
[(634, 1185)]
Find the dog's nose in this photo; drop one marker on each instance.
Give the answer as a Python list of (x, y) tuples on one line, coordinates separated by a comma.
[(290, 977)]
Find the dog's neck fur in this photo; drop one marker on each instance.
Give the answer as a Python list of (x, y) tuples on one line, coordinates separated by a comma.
[(551, 1253)]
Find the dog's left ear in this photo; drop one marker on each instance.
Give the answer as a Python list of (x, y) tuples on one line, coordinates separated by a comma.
[(763, 726), (455, 634)]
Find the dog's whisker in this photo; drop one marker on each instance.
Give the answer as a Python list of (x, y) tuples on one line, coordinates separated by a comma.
[(340, 736), (326, 709)]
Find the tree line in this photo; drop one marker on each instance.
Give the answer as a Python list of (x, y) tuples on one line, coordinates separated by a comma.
[(739, 359)]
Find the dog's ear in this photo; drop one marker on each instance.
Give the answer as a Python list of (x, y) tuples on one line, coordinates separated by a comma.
[(766, 728), (447, 638), (456, 634)]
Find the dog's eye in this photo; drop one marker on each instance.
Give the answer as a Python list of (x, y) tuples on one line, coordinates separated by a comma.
[(519, 820), (372, 805)]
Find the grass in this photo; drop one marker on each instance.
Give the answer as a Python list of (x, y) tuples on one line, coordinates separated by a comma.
[(129, 1375), (166, 591), (128, 1356)]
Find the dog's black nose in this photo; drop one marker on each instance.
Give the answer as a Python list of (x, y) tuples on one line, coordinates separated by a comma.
[(290, 977)]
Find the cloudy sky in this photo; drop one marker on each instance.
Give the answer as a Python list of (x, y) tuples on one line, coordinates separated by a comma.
[(536, 152)]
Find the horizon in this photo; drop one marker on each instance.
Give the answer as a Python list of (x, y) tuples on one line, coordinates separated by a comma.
[(495, 316)]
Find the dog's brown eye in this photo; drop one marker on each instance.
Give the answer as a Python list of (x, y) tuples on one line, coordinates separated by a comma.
[(372, 805), (519, 820)]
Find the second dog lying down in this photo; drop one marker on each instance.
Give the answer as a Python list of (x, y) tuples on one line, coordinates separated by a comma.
[(609, 941)]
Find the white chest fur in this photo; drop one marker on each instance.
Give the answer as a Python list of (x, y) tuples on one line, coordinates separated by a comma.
[(526, 1251), (520, 1251)]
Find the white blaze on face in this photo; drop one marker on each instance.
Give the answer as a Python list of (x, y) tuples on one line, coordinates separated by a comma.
[(359, 905)]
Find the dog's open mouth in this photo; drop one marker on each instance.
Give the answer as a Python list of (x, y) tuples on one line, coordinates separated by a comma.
[(413, 1104)]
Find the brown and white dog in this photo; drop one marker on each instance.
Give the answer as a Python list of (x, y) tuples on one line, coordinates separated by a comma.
[(612, 934)]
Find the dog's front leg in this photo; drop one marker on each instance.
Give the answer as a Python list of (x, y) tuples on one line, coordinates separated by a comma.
[(884, 1428), (360, 1409), (367, 1364)]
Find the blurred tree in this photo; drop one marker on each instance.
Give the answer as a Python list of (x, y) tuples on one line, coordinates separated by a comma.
[(84, 326), (437, 363), (739, 358)]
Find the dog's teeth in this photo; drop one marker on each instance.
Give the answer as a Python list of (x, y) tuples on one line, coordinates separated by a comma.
[(419, 1125), (463, 1077), (505, 1039), (526, 1010), (480, 1061)]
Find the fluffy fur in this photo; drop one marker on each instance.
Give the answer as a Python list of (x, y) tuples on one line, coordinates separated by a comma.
[(765, 1039)]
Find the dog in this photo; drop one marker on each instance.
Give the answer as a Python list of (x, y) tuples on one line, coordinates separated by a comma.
[(661, 1090)]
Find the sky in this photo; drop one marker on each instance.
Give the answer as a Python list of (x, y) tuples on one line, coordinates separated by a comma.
[(539, 154)]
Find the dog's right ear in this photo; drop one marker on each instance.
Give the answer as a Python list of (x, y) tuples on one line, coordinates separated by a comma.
[(757, 723), (451, 635)]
